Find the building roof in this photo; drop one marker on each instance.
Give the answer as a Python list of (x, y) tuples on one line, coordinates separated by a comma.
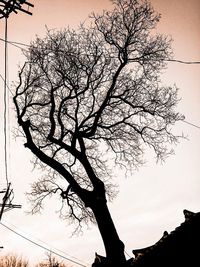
[(178, 248)]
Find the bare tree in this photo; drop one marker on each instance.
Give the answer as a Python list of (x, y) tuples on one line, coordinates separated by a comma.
[(51, 261), (12, 260), (92, 97)]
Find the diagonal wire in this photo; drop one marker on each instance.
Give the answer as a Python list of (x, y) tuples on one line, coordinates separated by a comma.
[(40, 241), (192, 124), (16, 44), (41, 246), (19, 44), (7, 86)]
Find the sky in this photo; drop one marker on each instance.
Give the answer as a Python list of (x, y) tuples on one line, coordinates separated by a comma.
[(152, 199)]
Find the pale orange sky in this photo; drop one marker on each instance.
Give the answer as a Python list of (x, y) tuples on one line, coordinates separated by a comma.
[(150, 201)]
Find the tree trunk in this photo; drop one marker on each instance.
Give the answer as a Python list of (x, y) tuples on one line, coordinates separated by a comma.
[(114, 247), (96, 200)]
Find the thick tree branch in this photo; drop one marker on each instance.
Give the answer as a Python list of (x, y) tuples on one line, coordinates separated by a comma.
[(46, 159)]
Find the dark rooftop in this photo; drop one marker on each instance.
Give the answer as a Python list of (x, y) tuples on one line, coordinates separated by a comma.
[(179, 248)]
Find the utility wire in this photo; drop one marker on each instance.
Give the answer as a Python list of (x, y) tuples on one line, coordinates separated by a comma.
[(187, 122), (127, 254), (16, 44), (183, 62), (1, 76), (41, 246), (5, 102), (192, 124), (40, 241)]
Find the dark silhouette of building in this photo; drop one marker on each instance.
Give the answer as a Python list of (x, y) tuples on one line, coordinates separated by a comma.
[(178, 248)]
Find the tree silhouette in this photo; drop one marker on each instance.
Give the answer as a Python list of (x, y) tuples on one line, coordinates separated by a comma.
[(12, 260), (51, 261), (93, 97)]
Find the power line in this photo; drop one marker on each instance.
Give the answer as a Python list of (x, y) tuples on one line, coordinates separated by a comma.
[(5, 102), (192, 124), (16, 44), (39, 240), (187, 122), (6, 85), (127, 254), (183, 62), (41, 246)]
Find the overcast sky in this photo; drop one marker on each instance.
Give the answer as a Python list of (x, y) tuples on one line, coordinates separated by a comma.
[(152, 199)]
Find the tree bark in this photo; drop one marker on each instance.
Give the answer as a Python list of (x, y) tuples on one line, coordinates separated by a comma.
[(114, 247)]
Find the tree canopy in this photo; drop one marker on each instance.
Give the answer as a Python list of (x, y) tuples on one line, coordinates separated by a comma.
[(93, 96)]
